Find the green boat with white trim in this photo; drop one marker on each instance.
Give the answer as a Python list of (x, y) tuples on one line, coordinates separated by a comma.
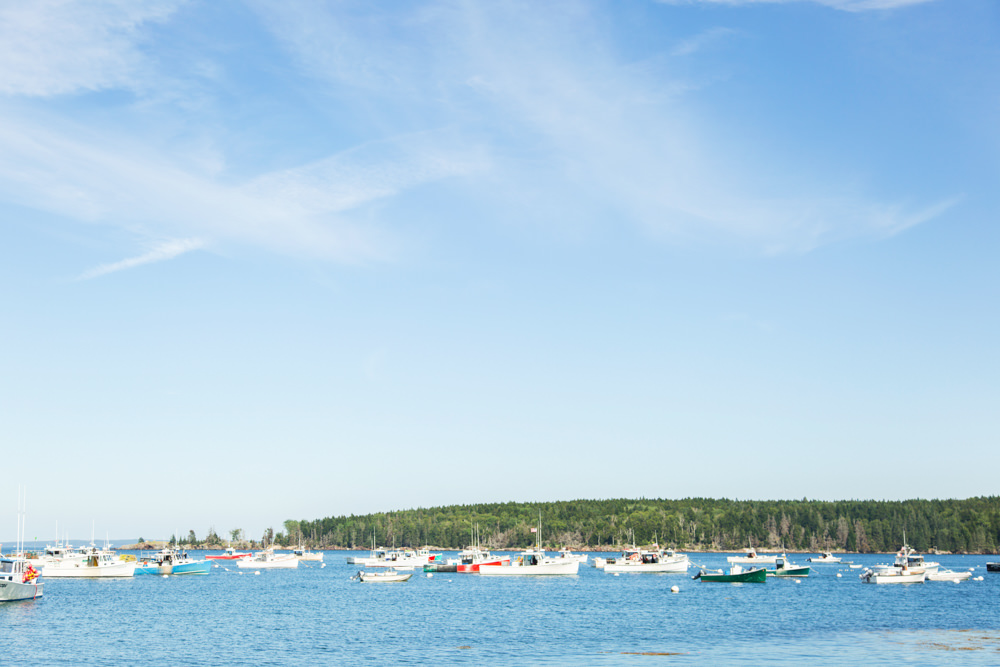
[(785, 569), (737, 574)]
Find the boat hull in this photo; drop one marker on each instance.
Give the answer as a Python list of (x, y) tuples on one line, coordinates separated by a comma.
[(789, 572), (277, 564), (80, 569), (758, 576), (876, 578), (541, 569), (676, 567), (469, 568), (948, 575), (12, 591), (383, 577)]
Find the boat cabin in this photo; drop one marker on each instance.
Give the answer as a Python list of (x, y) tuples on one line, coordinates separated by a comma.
[(12, 569)]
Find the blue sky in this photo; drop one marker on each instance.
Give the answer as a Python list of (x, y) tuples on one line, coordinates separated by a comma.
[(271, 260)]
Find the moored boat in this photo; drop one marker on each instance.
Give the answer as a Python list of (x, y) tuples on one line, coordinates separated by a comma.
[(229, 554), (304, 554), (785, 569), (171, 561), (825, 558), (382, 576), (267, 559), (94, 563), (751, 557), (635, 560), (19, 580), (473, 559), (736, 575), (892, 575)]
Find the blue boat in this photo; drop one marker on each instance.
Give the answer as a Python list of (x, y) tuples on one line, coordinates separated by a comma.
[(171, 561)]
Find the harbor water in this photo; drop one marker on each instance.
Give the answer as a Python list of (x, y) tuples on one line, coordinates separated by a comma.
[(317, 615)]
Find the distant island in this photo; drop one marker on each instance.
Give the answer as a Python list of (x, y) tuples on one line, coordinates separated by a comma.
[(693, 524)]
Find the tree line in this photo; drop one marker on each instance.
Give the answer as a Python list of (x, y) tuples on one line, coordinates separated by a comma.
[(961, 526)]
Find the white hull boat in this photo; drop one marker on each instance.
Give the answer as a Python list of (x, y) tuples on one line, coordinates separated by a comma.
[(268, 560), (753, 558), (18, 580), (899, 576), (641, 560), (384, 576), (96, 564), (601, 562), (826, 559), (533, 565)]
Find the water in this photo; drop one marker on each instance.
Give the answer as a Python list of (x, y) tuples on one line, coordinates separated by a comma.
[(318, 616)]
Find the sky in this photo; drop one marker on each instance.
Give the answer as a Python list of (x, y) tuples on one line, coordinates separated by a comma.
[(296, 259)]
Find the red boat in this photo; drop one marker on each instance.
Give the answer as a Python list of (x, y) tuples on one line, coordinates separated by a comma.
[(230, 554), (472, 559)]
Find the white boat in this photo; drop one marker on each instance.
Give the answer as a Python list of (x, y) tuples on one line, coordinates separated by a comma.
[(566, 554), (909, 559), (601, 561), (892, 575), (648, 560), (827, 557), (751, 557), (382, 576), (18, 580), (267, 559), (309, 556), (93, 563), (532, 564), (948, 575)]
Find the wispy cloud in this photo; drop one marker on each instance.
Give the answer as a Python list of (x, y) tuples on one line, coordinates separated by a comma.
[(844, 5), (53, 47), (168, 250)]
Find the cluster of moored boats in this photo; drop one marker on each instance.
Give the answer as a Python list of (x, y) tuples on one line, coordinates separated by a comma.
[(21, 573)]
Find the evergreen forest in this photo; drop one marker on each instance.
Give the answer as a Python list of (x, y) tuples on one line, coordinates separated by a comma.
[(971, 525)]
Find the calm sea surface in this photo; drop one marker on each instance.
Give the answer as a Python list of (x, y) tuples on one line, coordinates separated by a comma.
[(317, 616)]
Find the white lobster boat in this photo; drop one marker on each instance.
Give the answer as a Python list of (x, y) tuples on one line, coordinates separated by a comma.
[(892, 575), (827, 558), (267, 559), (648, 560), (18, 580), (751, 557), (95, 563), (532, 564)]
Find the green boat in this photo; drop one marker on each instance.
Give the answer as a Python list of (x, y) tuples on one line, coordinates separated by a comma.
[(736, 575), (785, 569)]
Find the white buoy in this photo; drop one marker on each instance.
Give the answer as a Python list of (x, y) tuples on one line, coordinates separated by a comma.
[(675, 589), (322, 566), (839, 575), (165, 576), (616, 574), (257, 572), (796, 581), (430, 574), (955, 580)]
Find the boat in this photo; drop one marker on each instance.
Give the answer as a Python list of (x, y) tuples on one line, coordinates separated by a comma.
[(751, 557), (171, 561), (785, 569), (907, 558), (600, 562), (19, 580), (472, 559), (737, 575), (892, 575), (826, 558), (382, 576), (534, 562), (948, 575), (442, 565), (634, 559), (92, 563), (304, 554), (229, 554), (993, 567), (267, 559), (397, 558), (565, 553)]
